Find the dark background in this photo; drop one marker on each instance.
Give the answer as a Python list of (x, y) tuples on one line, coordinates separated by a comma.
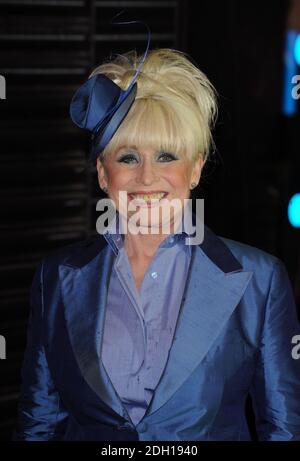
[(48, 194)]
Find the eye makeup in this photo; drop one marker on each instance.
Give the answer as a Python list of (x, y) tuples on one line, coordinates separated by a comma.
[(128, 156)]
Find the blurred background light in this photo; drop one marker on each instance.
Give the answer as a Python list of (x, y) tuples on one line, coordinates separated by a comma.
[(294, 210)]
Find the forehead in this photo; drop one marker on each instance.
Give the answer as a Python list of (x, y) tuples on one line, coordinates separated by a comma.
[(145, 135)]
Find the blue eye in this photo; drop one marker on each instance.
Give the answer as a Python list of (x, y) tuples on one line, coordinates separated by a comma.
[(130, 158), (167, 156), (127, 158)]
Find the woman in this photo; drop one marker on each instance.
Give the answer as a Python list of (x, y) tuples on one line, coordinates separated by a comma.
[(144, 336)]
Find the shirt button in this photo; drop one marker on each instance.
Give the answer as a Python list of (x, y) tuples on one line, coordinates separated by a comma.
[(154, 275), (171, 239), (126, 427)]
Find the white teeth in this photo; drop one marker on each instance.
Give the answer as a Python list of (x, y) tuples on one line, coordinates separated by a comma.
[(148, 197)]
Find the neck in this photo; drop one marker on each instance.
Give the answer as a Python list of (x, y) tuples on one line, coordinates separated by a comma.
[(143, 246)]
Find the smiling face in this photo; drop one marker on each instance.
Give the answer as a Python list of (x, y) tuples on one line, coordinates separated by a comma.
[(139, 171), (164, 139)]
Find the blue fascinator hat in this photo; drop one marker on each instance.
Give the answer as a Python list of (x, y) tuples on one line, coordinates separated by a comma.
[(99, 105)]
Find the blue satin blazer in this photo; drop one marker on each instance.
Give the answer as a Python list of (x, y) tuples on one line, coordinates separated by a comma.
[(233, 337)]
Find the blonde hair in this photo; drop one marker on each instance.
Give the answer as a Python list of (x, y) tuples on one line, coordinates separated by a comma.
[(175, 106)]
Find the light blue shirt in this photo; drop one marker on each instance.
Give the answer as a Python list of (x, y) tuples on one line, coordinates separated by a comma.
[(139, 326)]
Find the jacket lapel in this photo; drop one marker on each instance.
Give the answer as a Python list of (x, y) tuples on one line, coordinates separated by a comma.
[(84, 293), (209, 300), (215, 285)]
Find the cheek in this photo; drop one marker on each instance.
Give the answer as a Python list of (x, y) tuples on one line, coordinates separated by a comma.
[(178, 179), (118, 177)]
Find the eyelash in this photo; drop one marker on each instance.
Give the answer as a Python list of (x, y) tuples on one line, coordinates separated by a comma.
[(130, 156)]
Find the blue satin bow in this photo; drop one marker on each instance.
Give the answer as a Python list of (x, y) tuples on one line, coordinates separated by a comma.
[(100, 106)]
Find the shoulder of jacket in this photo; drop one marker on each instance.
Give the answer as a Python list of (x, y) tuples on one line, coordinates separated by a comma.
[(250, 257), (71, 253)]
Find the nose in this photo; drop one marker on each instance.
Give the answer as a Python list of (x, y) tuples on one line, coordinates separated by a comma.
[(147, 173)]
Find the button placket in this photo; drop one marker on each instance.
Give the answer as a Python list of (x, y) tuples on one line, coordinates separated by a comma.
[(129, 282)]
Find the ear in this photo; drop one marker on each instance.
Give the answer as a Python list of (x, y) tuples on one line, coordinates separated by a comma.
[(197, 167), (102, 178)]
